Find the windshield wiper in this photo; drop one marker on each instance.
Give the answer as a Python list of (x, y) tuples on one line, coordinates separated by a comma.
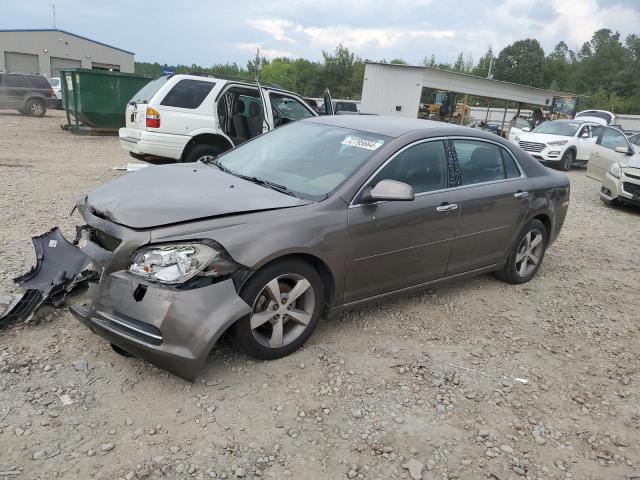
[(256, 180)]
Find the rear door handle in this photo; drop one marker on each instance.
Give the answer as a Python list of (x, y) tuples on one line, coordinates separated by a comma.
[(521, 194), (447, 207)]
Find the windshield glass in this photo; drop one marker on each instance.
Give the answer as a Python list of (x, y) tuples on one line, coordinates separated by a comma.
[(149, 90), (55, 82), (310, 160), (566, 128)]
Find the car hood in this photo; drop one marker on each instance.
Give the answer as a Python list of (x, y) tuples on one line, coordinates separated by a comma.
[(542, 137), (631, 162), (169, 194)]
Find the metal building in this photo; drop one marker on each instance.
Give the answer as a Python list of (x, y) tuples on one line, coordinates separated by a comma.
[(46, 51), (391, 89)]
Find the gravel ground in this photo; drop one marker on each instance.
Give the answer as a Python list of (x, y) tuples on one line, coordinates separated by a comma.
[(477, 379)]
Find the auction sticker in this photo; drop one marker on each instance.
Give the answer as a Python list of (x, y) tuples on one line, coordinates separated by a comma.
[(354, 141)]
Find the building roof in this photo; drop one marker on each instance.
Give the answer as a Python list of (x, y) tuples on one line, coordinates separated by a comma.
[(485, 87), (68, 33)]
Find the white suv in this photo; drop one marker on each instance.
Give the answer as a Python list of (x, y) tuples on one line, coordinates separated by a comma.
[(190, 117), (561, 143)]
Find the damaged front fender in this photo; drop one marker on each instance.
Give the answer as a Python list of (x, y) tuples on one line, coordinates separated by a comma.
[(60, 267)]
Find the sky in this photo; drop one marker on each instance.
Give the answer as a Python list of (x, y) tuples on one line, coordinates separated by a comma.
[(207, 32)]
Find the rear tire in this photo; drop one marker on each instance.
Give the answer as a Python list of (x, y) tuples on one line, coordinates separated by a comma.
[(567, 160), (526, 256), (35, 108), (201, 152), (279, 324)]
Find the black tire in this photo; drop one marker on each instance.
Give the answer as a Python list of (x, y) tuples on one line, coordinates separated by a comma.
[(252, 341), (35, 108), (200, 152), (567, 160), (511, 272)]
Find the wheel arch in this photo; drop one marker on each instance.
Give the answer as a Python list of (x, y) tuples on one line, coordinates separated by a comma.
[(214, 139), (546, 221), (328, 279)]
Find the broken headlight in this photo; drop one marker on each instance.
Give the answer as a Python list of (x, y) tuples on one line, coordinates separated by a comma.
[(178, 263)]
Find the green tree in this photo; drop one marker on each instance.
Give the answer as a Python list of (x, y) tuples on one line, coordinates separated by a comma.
[(521, 62), (482, 68)]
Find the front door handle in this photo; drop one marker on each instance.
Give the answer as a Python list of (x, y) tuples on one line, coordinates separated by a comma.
[(447, 207), (521, 194)]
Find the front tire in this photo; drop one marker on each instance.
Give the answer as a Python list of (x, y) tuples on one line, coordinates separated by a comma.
[(36, 108), (201, 153), (567, 160), (527, 254), (287, 299)]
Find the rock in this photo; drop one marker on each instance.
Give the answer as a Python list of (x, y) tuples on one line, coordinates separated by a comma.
[(66, 400), (107, 447), (415, 468), (39, 455), (538, 435), (356, 413), (352, 474), (129, 422), (80, 365), (240, 472)]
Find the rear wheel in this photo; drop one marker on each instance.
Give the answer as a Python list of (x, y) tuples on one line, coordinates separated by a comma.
[(567, 160), (287, 299), (36, 108), (201, 153), (527, 254)]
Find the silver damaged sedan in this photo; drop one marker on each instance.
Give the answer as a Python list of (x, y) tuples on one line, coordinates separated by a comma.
[(315, 217)]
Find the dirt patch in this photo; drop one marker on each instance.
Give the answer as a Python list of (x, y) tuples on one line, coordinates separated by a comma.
[(470, 380)]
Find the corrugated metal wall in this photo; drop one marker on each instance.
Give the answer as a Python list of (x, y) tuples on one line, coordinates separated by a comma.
[(391, 91), (50, 44)]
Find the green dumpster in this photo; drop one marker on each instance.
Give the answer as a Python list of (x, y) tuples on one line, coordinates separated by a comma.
[(95, 100)]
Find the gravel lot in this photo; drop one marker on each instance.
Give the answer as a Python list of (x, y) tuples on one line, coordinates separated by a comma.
[(423, 386)]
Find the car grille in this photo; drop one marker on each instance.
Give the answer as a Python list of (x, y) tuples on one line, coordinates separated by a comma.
[(632, 188), (532, 146)]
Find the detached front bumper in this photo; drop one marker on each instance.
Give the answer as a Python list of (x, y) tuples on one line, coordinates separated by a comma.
[(171, 328)]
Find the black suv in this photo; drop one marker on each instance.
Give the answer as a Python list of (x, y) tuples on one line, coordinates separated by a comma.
[(29, 94)]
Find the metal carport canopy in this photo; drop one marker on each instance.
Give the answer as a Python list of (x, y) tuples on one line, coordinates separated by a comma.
[(484, 87)]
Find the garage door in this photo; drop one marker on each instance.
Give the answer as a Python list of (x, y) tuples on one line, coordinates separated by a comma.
[(21, 62), (58, 63)]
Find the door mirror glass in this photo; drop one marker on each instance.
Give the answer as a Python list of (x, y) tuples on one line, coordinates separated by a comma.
[(526, 129), (624, 150), (584, 135), (389, 190)]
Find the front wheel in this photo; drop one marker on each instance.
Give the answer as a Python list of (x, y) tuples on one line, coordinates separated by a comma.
[(567, 160), (287, 299), (527, 254)]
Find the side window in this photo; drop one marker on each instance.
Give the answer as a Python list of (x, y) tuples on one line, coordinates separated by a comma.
[(187, 94), (39, 82), (423, 166), (483, 162), (289, 107), (247, 105), (583, 130), (595, 130), (14, 81), (635, 139), (612, 138)]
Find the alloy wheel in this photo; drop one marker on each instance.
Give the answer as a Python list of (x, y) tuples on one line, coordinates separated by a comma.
[(206, 158), (529, 253), (568, 161), (36, 108), (282, 310)]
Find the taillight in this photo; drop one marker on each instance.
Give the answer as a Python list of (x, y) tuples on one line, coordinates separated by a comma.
[(52, 93), (153, 118)]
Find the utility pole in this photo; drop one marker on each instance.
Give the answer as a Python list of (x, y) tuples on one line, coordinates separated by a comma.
[(53, 7)]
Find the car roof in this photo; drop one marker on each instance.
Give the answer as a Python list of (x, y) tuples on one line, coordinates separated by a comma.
[(223, 78), (388, 126)]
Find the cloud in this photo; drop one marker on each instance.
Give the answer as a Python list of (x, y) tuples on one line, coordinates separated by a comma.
[(276, 28), (264, 52), (358, 37)]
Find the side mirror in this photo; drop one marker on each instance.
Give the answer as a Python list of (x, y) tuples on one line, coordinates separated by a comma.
[(526, 129), (585, 135), (625, 150), (389, 190)]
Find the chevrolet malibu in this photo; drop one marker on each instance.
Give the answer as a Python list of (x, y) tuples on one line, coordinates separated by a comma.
[(313, 218)]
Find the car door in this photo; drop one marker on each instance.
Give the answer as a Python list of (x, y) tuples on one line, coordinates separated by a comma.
[(494, 197), (586, 140), (398, 244), (604, 153), (287, 108)]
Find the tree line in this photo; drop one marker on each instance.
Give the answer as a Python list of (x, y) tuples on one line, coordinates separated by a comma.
[(606, 69)]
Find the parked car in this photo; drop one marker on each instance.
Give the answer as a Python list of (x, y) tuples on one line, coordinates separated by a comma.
[(561, 143), (611, 148), (634, 139), (189, 118), (602, 117), (29, 94), (344, 106), (518, 126), (56, 86), (312, 218)]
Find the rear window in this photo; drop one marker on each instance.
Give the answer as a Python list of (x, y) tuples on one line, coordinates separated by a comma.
[(346, 107), (39, 82), (55, 82), (187, 94), (149, 90), (594, 113)]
